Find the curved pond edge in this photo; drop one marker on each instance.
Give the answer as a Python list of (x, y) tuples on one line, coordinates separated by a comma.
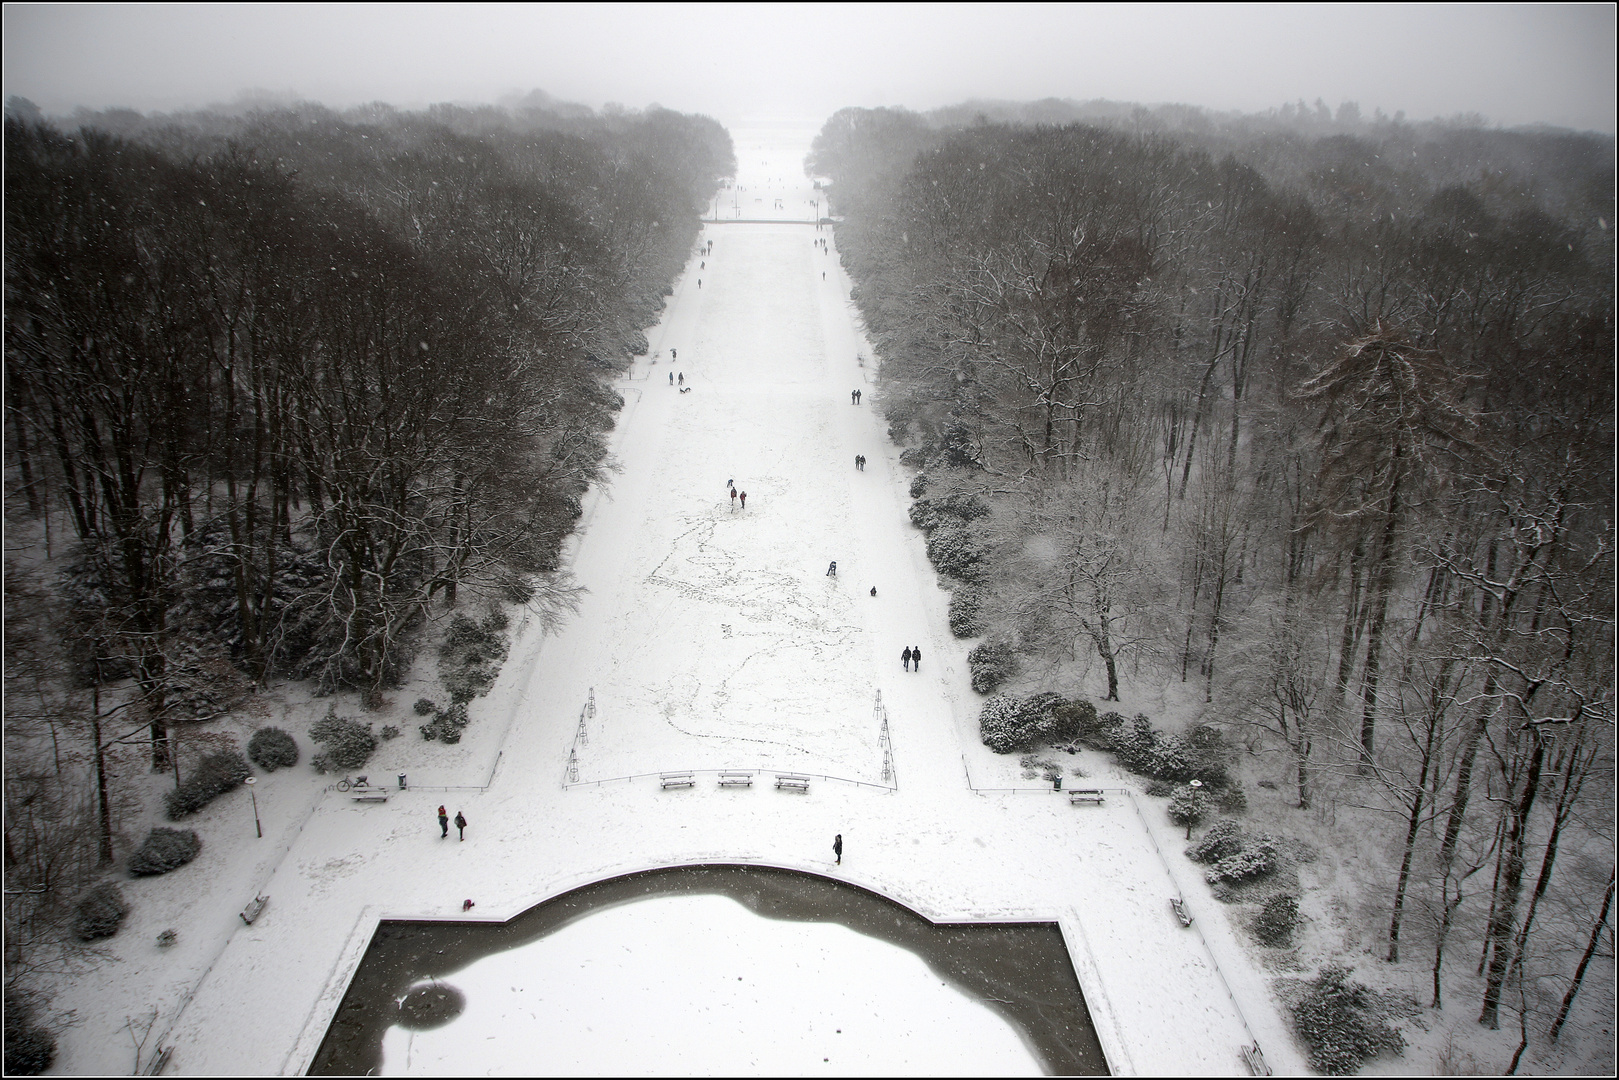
[(771, 890)]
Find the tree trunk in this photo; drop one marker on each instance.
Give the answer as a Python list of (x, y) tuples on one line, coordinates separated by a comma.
[(1585, 961), (1500, 931), (1381, 578)]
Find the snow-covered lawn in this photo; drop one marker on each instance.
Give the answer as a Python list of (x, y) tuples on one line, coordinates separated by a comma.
[(701, 985), (711, 639)]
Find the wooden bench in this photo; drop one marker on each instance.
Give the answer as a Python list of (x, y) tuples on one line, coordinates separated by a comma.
[(736, 779), (1085, 795), (255, 909), (792, 783), (1181, 913), (676, 780), (369, 795), (1255, 1061)]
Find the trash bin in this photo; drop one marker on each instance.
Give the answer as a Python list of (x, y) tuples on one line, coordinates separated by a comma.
[(401, 781), (1056, 783)]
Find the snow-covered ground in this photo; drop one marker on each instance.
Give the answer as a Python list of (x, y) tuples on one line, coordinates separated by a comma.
[(710, 639), (701, 985)]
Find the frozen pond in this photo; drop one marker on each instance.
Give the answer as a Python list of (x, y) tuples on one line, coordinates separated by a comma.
[(713, 970)]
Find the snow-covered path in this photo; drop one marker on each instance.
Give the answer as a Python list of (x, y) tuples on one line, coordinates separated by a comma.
[(713, 638)]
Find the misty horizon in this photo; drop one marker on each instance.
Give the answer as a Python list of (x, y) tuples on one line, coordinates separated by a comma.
[(1506, 66)]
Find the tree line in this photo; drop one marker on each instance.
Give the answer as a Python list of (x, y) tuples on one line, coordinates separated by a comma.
[(1318, 425)]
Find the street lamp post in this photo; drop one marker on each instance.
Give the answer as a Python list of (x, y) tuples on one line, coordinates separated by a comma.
[(250, 781)]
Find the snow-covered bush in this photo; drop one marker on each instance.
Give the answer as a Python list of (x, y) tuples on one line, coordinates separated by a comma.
[(1008, 722), (272, 749), (1256, 858), (991, 664), (348, 743), (915, 457), (919, 485), (1187, 807), (998, 723), (955, 552), (470, 658), (1106, 732), (957, 508), (99, 912), (1224, 838), (424, 707), (164, 850), (1160, 789), (1342, 1023), (966, 618), (447, 724), (1274, 924), (1174, 758), (213, 776), (30, 1049), (1074, 720)]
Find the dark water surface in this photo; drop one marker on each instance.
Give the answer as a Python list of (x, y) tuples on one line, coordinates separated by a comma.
[(1020, 970)]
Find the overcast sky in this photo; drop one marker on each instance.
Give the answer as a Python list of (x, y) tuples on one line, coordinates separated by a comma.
[(1513, 64)]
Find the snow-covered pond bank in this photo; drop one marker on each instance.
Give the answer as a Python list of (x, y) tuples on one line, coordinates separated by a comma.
[(715, 969)]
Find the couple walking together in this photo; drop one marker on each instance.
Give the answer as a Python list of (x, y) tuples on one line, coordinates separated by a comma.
[(912, 655)]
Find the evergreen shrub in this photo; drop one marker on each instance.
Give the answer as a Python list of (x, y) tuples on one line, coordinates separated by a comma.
[(213, 776), (1175, 758), (471, 656), (348, 743), (966, 617), (955, 552), (164, 850), (1161, 789), (30, 1049), (1252, 860), (919, 485), (99, 912), (1008, 722), (1187, 807), (424, 707), (991, 664), (1340, 1021), (271, 749), (1224, 838), (1074, 721), (998, 723), (1276, 920)]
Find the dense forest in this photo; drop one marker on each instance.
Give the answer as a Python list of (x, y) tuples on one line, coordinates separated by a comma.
[(1308, 415), (287, 379)]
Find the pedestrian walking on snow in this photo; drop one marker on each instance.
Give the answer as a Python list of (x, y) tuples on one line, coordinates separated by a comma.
[(916, 656), (905, 658), (460, 825), (733, 499), (674, 354), (682, 379), (874, 590), (744, 500), (443, 823), (853, 397), (671, 378), (837, 847), (832, 570)]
